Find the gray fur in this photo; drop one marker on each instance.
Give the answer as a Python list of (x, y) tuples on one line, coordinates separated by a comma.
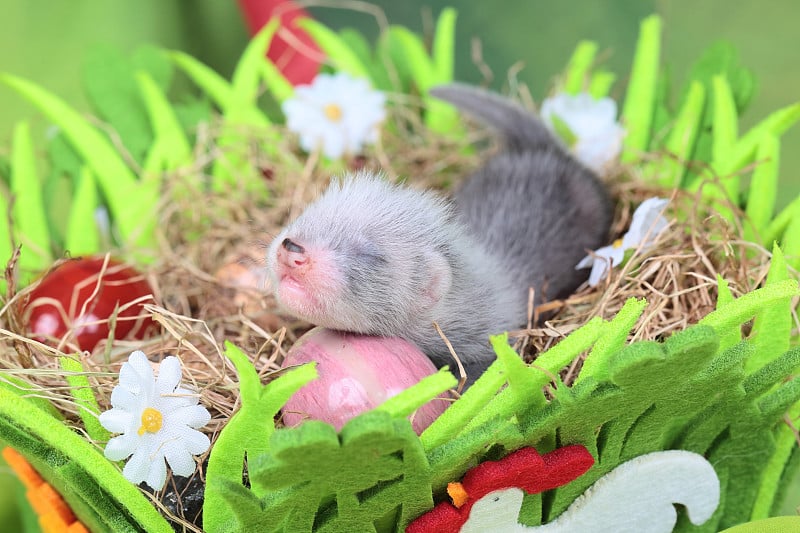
[(534, 206), (411, 258)]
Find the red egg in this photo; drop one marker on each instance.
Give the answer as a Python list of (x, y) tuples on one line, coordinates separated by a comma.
[(78, 297), (356, 373)]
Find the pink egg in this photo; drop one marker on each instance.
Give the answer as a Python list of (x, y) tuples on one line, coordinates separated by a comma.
[(356, 374)]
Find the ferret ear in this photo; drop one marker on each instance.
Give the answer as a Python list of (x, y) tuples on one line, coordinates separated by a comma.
[(439, 278)]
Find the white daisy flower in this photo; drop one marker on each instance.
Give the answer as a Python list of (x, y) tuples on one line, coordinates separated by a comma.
[(336, 113), (156, 418), (647, 223), (594, 135)]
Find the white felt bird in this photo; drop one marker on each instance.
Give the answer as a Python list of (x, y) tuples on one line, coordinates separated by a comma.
[(638, 496)]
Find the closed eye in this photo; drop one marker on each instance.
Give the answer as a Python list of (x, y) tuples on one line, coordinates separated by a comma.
[(369, 255)]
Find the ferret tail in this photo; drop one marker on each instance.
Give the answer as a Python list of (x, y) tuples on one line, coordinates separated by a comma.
[(520, 129)]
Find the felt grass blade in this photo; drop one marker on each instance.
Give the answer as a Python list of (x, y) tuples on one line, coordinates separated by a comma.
[(443, 49), (131, 510), (781, 221), (342, 57), (772, 328), (563, 353), (25, 390), (248, 431), (749, 305), (538, 374), (763, 187), (439, 116), (457, 416), (82, 236), (420, 65), (725, 131), (520, 380), (107, 76), (732, 335), (772, 374), (530, 379), (640, 100), (790, 242), (725, 121), (247, 74), (82, 393), (683, 137), (279, 87), (785, 444), (612, 340), (169, 142), (776, 124), (238, 101), (601, 83), (428, 388), (579, 66), (115, 178), (215, 86), (28, 208)]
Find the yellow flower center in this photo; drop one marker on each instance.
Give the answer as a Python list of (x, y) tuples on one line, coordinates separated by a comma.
[(333, 112), (151, 421), (617, 243)]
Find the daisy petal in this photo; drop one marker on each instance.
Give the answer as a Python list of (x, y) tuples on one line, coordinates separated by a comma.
[(195, 416), (169, 375), (179, 459), (194, 441), (137, 467), (120, 447), (116, 420), (598, 273), (157, 475)]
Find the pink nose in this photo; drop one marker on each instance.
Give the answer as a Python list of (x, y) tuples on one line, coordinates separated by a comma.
[(292, 254)]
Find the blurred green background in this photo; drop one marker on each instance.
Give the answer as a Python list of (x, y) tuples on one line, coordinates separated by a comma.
[(46, 41)]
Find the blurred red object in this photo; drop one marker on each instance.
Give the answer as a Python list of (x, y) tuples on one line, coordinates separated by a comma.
[(298, 58), (81, 296)]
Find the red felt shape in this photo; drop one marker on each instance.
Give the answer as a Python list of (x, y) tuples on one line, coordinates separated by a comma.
[(299, 64), (525, 469)]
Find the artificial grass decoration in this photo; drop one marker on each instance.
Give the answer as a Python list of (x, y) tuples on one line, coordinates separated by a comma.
[(705, 402), (93, 487), (81, 391), (246, 435), (117, 181), (314, 479), (689, 346)]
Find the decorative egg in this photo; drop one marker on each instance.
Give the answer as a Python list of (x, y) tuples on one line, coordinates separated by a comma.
[(80, 296), (356, 373)]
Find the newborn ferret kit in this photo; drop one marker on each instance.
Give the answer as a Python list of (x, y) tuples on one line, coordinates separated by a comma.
[(397, 302)]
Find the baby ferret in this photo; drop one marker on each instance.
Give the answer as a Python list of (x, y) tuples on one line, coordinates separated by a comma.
[(381, 259)]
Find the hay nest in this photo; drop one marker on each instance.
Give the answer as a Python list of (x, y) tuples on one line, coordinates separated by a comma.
[(199, 304)]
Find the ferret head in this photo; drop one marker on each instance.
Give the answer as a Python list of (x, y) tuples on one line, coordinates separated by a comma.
[(367, 257)]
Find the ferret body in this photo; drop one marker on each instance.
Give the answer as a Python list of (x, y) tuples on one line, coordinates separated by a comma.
[(375, 258)]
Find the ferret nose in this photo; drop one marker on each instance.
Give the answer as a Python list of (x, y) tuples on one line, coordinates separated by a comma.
[(292, 254), (291, 246)]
